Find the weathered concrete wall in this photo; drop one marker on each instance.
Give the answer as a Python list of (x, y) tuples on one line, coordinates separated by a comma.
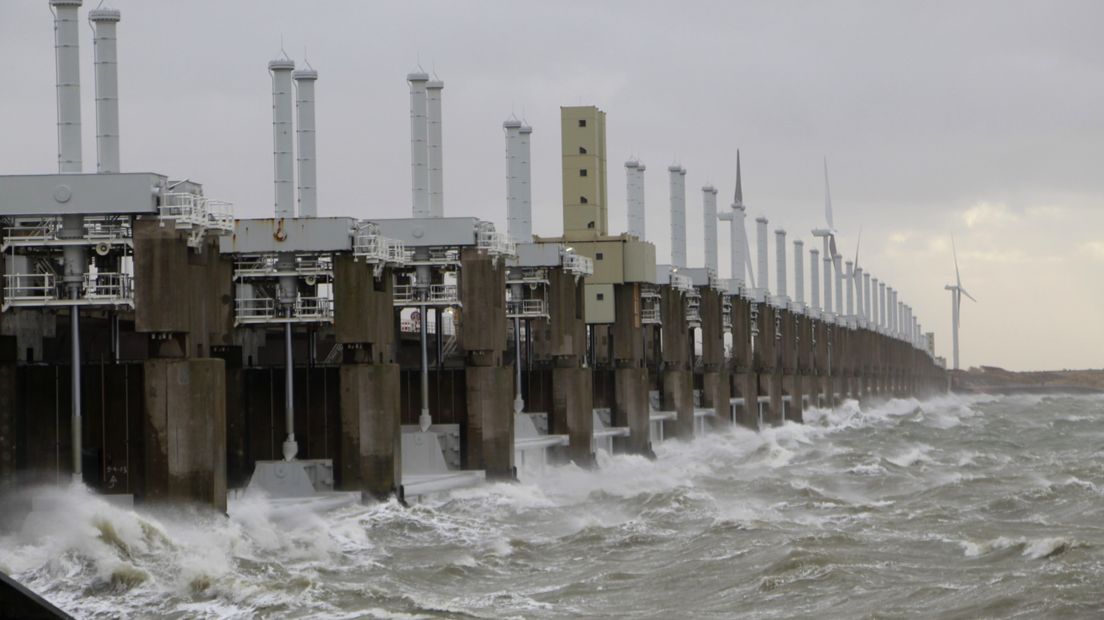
[(489, 430), (630, 408), (572, 412), (371, 437), (564, 333), (363, 311), (9, 408), (185, 406)]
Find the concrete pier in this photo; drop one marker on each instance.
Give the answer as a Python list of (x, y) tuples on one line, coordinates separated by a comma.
[(488, 432), (370, 455), (182, 301), (676, 382)]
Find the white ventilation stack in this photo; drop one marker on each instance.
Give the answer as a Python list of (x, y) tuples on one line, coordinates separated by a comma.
[(799, 272), (106, 65), (634, 179), (838, 270), (881, 305), (419, 151), (709, 216), (859, 311), (814, 278), (827, 258), (519, 225), (866, 297), (67, 57), (849, 275), (282, 136), (305, 133), (761, 251), (678, 215), (782, 299), (435, 148)]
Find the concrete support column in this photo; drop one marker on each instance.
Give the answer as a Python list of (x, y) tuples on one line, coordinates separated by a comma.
[(185, 406), (371, 435), (678, 396), (631, 409), (572, 412), (8, 409), (489, 432)]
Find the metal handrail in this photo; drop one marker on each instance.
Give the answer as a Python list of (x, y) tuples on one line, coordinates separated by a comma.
[(578, 265), (526, 308)]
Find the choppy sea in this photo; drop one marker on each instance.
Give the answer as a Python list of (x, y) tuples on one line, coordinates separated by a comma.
[(958, 507)]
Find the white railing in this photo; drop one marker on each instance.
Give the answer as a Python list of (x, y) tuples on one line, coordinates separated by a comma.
[(681, 283), (185, 210), (29, 287), (578, 265), (107, 286), (269, 310), (373, 247), (526, 309), (268, 266), (650, 315), (647, 291), (528, 277), (41, 231), (493, 242), (220, 216), (47, 289), (436, 294)]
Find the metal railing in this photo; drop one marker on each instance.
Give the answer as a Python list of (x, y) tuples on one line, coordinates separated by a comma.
[(46, 231), (220, 216), (489, 240), (681, 283), (526, 309), (578, 265), (197, 214), (269, 310), (373, 247), (434, 295), (268, 266), (47, 289)]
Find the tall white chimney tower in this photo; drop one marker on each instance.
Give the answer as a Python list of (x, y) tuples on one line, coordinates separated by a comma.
[(850, 276), (799, 272), (678, 215), (282, 136), (435, 148), (305, 134), (814, 278), (634, 177), (761, 251), (419, 150), (866, 298), (782, 298), (519, 216), (106, 65), (709, 217), (67, 57)]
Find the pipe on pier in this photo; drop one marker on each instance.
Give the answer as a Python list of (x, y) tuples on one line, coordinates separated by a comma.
[(305, 132)]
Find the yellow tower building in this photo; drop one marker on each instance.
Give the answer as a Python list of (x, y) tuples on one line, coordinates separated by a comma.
[(583, 135)]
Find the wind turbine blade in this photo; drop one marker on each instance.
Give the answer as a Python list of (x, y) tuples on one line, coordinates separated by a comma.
[(954, 252), (857, 244), (827, 198), (739, 197), (832, 246), (747, 257), (963, 291)]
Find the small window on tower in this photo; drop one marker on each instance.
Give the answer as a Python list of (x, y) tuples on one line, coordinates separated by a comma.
[(601, 296), (582, 122), (582, 172), (590, 224), (599, 256), (583, 200), (582, 150)]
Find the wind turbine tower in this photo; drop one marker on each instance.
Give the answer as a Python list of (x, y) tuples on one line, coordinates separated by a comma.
[(956, 302)]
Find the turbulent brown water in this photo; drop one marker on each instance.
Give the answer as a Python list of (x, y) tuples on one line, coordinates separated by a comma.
[(954, 507)]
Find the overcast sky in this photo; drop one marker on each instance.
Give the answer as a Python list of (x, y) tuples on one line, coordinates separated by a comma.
[(981, 119)]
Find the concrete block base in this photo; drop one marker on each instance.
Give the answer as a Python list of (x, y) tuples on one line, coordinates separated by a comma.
[(185, 404), (489, 432), (371, 437)]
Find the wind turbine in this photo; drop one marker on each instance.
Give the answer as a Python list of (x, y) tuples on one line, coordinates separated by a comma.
[(741, 258), (831, 256), (956, 301)]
